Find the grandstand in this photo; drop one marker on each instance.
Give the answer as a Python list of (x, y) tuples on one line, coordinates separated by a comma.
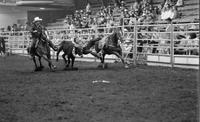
[(168, 50), (189, 12)]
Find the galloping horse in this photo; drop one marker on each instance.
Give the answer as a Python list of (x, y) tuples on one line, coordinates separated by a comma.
[(42, 50), (2, 46), (111, 46)]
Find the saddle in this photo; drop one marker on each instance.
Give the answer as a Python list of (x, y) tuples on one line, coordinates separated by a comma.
[(37, 42)]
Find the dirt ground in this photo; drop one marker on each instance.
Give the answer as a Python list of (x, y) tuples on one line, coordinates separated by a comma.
[(140, 94)]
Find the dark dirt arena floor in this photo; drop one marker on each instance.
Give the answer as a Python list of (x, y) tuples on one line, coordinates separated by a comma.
[(140, 94)]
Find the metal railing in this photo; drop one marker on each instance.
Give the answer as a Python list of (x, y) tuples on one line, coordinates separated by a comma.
[(142, 41)]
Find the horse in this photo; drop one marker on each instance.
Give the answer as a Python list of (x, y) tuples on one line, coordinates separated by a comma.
[(2, 46), (111, 46), (70, 50), (42, 50)]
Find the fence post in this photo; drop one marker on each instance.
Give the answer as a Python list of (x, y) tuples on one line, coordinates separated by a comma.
[(172, 44), (10, 42), (123, 26), (23, 42), (135, 44)]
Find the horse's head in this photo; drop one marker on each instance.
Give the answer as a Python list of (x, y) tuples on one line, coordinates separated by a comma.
[(79, 51)]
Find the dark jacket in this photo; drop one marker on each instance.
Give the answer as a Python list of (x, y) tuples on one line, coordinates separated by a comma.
[(37, 30)]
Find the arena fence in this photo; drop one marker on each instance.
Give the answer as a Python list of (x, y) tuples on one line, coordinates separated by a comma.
[(165, 44)]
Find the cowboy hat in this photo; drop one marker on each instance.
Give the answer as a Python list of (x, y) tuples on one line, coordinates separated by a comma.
[(37, 19)]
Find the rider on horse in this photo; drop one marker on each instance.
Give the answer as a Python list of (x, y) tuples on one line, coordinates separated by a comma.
[(39, 32)]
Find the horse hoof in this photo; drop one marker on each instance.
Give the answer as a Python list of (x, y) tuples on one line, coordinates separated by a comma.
[(100, 66), (54, 67), (37, 69), (42, 67), (66, 68), (128, 62), (105, 66), (52, 70), (74, 68)]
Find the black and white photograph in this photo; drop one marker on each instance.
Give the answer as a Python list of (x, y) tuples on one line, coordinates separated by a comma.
[(99, 61)]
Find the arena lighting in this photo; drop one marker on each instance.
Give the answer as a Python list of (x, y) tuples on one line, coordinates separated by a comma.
[(33, 2)]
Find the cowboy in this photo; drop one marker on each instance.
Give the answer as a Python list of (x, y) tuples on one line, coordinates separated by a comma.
[(39, 32)]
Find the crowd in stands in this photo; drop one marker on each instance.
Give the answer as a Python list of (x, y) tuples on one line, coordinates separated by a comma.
[(15, 28), (141, 11)]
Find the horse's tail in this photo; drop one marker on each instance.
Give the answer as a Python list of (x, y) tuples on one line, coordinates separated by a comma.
[(59, 49)]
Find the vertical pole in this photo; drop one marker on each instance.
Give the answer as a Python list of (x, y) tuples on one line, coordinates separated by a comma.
[(198, 90), (9, 42), (102, 2), (172, 44), (122, 31), (123, 26), (135, 44), (23, 49)]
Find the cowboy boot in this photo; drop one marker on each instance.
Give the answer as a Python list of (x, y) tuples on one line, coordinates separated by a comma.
[(53, 46)]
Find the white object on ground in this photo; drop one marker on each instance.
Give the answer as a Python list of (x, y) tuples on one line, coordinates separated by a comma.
[(100, 81)]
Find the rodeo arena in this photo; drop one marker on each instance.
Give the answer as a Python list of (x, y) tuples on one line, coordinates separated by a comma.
[(99, 61)]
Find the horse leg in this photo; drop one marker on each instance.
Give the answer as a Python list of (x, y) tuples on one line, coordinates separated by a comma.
[(101, 64), (41, 66), (102, 61), (51, 66), (65, 60), (36, 67), (93, 53), (96, 55), (73, 59), (68, 61), (119, 56), (58, 52)]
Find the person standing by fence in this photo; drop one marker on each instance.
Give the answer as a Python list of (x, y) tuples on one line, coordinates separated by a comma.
[(2, 45)]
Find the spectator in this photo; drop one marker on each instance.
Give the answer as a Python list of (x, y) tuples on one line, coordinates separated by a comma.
[(9, 28), (88, 9), (169, 11)]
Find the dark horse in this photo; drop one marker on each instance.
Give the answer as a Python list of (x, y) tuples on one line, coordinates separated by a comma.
[(70, 50), (42, 50), (111, 47), (2, 46)]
